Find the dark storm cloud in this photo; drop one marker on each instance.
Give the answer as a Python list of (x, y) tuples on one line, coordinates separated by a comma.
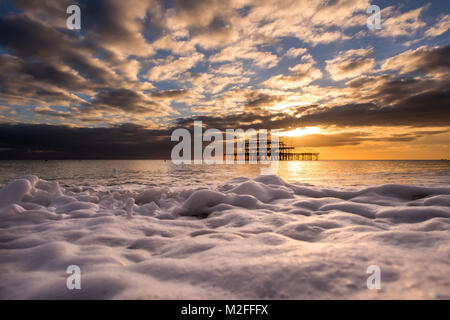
[(108, 23), (60, 142), (16, 69), (434, 60), (24, 81), (257, 100), (29, 38), (176, 93), (388, 91), (118, 24), (45, 64), (54, 113), (32, 40), (427, 109), (124, 99), (46, 10)]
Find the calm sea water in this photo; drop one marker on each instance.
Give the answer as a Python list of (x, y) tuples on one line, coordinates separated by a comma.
[(163, 173)]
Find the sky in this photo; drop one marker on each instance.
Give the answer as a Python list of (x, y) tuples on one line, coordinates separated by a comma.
[(139, 69)]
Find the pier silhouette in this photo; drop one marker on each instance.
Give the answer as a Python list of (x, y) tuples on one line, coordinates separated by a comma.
[(281, 152)]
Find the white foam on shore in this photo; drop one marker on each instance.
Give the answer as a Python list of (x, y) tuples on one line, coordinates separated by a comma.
[(245, 239)]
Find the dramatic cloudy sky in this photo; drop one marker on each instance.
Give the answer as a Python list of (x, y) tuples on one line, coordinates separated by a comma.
[(138, 69)]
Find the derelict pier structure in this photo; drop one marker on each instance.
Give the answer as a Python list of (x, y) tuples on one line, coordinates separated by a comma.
[(285, 153)]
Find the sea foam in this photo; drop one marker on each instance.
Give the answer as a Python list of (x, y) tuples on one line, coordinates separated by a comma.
[(257, 238)]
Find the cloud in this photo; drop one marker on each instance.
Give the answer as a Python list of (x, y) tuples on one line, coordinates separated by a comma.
[(211, 24), (395, 24), (24, 82), (424, 60), (209, 83), (45, 10), (295, 52), (246, 50), (312, 22), (118, 26), (172, 67), (414, 111), (261, 101), (171, 93), (128, 101), (352, 138), (38, 141), (441, 27), (351, 64), (299, 75), (52, 112), (130, 69), (177, 47), (230, 69), (29, 39), (375, 101)]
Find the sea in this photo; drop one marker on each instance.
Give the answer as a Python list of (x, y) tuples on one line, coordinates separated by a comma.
[(154, 230), (334, 174)]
